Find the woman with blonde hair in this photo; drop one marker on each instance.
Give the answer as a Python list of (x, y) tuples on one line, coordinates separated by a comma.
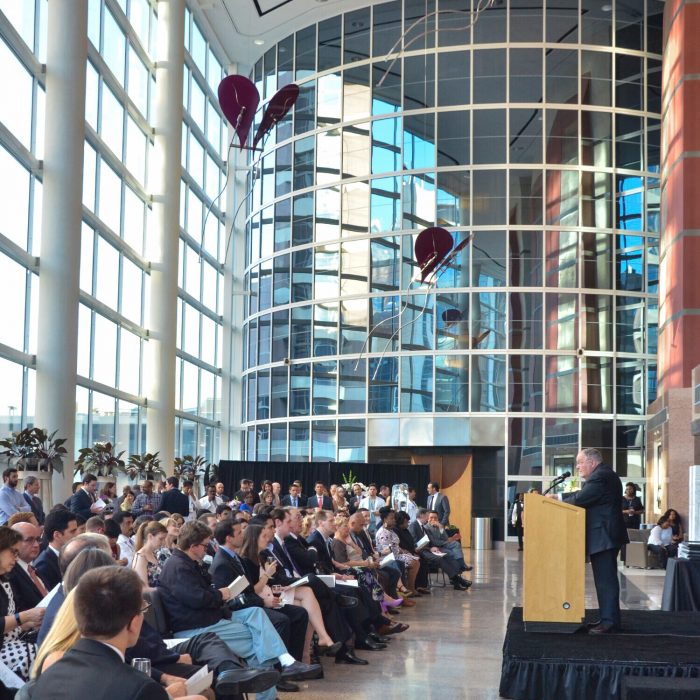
[(150, 539), (308, 525), (172, 525), (61, 637)]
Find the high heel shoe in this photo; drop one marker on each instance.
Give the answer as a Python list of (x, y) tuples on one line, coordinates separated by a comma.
[(392, 603), (331, 649)]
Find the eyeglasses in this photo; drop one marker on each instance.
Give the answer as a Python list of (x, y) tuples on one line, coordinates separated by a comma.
[(31, 539), (145, 608)]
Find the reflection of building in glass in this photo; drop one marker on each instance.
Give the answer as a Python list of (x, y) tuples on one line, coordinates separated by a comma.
[(527, 132)]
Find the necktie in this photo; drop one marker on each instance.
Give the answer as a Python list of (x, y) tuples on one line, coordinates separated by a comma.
[(37, 581), (320, 502), (431, 505), (291, 561), (294, 502)]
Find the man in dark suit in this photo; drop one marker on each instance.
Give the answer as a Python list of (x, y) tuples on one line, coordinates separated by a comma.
[(439, 503), (27, 586), (95, 666), (601, 496), (293, 498), (319, 501), (173, 500), (60, 527), (32, 486), (82, 502), (432, 552)]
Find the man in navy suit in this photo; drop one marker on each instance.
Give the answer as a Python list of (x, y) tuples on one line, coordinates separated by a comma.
[(82, 502), (32, 486), (601, 496), (27, 586), (319, 501), (173, 500), (294, 497), (60, 528)]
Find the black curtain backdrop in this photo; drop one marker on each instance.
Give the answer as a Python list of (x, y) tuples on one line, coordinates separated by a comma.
[(416, 475)]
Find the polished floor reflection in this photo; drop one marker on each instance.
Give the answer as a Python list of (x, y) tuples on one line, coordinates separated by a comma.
[(453, 648)]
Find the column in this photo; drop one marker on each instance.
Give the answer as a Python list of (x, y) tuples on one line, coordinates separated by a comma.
[(57, 343), (679, 293), (164, 238)]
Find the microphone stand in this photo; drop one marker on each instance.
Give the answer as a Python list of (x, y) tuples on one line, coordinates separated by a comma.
[(556, 482)]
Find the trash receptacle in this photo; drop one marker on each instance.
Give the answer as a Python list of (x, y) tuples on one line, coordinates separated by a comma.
[(481, 533)]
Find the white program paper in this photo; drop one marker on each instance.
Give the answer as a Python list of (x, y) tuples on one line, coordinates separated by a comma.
[(300, 582), (200, 681), (238, 585), (387, 560), (423, 542), (350, 582), (329, 580), (100, 504)]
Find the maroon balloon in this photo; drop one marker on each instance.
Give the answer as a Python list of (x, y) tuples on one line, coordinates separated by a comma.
[(239, 98), (431, 248), (282, 101)]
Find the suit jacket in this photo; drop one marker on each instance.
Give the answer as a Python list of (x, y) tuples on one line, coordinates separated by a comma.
[(416, 529), (224, 569), (601, 496), (27, 595), (442, 506), (91, 669), (174, 501), (287, 501), (46, 565), (303, 554), (324, 565), (312, 502), (80, 504), (37, 507)]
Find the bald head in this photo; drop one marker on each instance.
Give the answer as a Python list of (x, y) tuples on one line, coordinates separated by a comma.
[(29, 544), (356, 522), (71, 550)]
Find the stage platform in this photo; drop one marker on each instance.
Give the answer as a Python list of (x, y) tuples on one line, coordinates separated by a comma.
[(546, 666)]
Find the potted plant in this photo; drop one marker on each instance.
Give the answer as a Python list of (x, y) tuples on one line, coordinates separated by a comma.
[(34, 449), (99, 460), (145, 466), (188, 467)]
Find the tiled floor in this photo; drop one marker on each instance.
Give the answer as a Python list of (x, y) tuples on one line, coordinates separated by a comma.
[(453, 648)]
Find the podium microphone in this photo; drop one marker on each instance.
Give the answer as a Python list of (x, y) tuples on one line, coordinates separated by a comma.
[(557, 481)]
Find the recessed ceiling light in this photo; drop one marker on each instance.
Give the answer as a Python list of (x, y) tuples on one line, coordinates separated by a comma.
[(258, 42), (606, 8)]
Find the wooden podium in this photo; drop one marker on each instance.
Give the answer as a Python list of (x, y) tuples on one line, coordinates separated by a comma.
[(555, 557)]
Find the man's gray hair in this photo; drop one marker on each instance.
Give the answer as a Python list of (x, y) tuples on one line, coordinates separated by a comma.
[(29, 481), (593, 454)]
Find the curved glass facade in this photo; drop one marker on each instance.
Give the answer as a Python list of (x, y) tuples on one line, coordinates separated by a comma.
[(537, 132)]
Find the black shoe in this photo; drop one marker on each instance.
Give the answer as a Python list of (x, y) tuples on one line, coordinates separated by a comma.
[(380, 638), (460, 584), (332, 650), (466, 567), (299, 671), (595, 623), (392, 611), (423, 591), (369, 645), (348, 657), (245, 680), (287, 687), (603, 629), (346, 601)]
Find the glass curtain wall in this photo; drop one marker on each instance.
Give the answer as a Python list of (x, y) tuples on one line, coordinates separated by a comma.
[(536, 131), (117, 218)]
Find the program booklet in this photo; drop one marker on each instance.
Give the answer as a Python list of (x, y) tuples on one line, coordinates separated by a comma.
[(422, 542), (201, 680), (237, 586), (387, 560)]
